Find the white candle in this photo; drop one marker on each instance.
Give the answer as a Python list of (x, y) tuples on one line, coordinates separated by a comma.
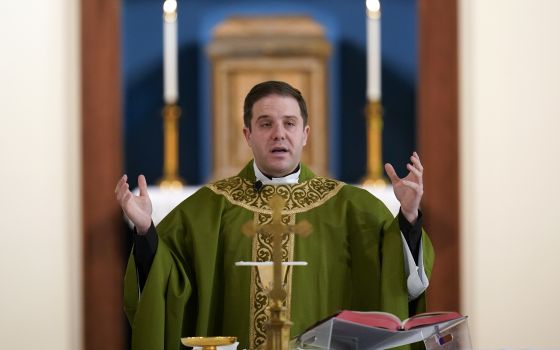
[(170, 71), (373, 50)]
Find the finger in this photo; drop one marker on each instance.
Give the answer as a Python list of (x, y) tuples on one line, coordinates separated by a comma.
[(418, 188), (415, 171), (123, 189), (416, 161), (142, 185), (127, 196), (391, 173), (120, 190), (121, 180)]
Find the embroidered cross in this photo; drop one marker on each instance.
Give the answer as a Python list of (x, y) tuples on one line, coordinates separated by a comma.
[(277, 230)]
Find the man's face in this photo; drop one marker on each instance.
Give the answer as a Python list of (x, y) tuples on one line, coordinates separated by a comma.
[(277, 134)]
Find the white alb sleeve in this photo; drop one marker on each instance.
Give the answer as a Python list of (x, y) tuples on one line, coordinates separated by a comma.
[(416, 279)]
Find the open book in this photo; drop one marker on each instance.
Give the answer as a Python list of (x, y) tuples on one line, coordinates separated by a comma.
[(350, 330), (391, 322)]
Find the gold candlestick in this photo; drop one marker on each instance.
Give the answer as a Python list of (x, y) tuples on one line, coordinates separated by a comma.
[(171, 179), (374, 121)]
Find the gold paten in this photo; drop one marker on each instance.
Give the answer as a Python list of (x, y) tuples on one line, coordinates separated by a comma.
[(208, 343)]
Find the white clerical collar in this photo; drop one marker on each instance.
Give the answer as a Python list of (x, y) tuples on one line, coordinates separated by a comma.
[(293, 178)]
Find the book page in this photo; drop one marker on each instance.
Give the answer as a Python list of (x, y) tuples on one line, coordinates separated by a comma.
[(371, 319), (429, 318)]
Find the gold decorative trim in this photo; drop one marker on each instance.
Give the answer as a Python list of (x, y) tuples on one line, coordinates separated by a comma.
[(262, 251), (299, 197)]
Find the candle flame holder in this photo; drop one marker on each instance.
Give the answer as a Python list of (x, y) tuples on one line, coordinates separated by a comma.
[(171, 179), (374, 121)]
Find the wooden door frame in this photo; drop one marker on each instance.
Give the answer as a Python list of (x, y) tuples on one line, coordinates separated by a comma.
[(438, 133), (102, 162)]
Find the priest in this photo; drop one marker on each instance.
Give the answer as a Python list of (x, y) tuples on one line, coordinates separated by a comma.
[(181, 279)]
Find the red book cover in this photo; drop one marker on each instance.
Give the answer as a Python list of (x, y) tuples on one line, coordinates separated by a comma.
[(372, 319), (429, 318), (391, 322)]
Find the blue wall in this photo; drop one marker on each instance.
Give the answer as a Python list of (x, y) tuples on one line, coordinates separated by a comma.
[(345, 25)]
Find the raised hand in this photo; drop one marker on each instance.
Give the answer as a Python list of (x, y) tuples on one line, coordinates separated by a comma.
[(137, 208), (408, 190)]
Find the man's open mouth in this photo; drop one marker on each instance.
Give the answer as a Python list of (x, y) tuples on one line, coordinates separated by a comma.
[(279, 150)]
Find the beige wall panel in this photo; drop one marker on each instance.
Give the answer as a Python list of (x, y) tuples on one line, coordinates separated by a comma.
[(510, 118), (40, 253)]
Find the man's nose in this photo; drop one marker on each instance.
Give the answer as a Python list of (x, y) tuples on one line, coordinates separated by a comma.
[(278, 132)]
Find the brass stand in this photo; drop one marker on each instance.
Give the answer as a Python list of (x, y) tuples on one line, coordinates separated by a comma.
[(278, 327), (171, 179), (374, 121)]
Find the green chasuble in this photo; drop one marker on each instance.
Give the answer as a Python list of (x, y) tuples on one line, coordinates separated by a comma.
[(354, 254)]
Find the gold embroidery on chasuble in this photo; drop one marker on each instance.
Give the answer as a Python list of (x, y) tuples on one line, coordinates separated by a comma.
[(299, 198)]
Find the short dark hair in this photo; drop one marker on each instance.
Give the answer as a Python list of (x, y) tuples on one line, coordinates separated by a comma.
[(268, 88)]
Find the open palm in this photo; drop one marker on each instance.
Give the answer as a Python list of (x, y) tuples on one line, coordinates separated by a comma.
[(137, 208), (408, 190)]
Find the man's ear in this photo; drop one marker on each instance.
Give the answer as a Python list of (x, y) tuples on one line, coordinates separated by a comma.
[(306, 130), (247, 134)]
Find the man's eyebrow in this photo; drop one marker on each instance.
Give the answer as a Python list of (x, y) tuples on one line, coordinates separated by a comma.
[(266, 116)]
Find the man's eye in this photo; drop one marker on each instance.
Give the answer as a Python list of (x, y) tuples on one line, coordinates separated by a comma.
[(291, 124), (265, 125)]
